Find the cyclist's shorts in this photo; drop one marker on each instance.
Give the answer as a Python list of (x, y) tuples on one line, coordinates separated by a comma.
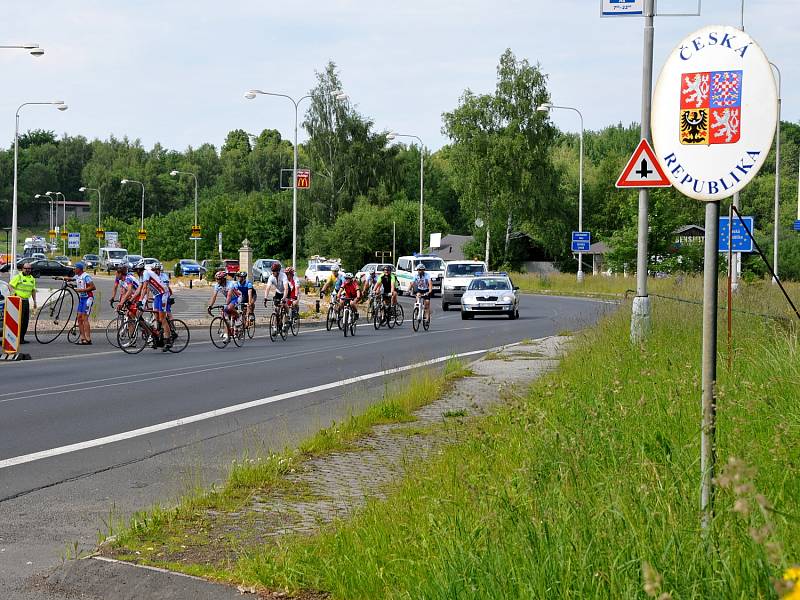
[(426, 294), (277, 298), (233, 303), (160, 302), (85, 305)]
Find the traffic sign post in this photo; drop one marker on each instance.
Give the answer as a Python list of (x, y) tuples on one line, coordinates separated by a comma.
[(581, 240), (643, 169), (196, 232), (621, 8), (100, 233), (74, 240), (142, 234), (737, 238)]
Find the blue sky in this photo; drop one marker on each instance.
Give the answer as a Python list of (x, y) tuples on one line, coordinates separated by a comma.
[(174, 71)]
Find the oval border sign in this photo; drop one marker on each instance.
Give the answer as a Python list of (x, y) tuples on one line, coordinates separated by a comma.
[(714, 112)]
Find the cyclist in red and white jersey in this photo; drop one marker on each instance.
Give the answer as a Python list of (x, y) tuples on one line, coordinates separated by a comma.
[(293, 290), (152, 282)]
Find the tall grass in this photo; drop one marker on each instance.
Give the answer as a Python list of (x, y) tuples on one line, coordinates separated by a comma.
[(587, 486)]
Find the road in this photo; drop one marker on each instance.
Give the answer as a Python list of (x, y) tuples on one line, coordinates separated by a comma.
[(88, 435)]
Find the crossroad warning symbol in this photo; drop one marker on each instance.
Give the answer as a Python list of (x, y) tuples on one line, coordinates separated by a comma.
[(643, 170)]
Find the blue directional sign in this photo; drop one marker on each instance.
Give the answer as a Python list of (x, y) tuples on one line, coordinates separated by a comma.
[(796, 225), (581, 240), (620, 8), (739, 240)]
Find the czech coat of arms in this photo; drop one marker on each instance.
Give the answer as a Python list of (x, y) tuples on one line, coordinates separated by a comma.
[(711, 107)]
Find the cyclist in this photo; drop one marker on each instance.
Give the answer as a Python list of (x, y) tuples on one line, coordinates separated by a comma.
[(368, 282), (279, 281), (230, 289), (119, 283), (293, 291), (151, 282), (334, 282), (421, 287), (386, 288), (129, 287), (248, 293), (349, 291), (164, 277), (85, 287)]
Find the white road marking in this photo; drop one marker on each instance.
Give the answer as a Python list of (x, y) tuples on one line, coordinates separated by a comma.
[(127, 435)]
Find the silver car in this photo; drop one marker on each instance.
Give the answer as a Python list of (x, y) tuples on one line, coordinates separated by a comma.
[(490, 294)]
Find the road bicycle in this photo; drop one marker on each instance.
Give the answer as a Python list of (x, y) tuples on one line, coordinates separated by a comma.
[(249, 318), (124, 316), (383, 315), (137, 333), (223, 330), (279, 321), (56, 314), (333, 315), (372, 306), (348, 317), (419, 316)]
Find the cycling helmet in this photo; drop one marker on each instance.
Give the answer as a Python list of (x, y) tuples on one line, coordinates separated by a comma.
[(371, 271), (242, 274), (388, 268), (348, 275), (335, 268), (220, 275), (122, 268), (275, 268), (156, 266), (290, 270), (420, 267)]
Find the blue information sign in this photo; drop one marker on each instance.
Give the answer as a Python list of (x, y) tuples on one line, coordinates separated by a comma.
[(796, 225), (739, 240), (581, 240)]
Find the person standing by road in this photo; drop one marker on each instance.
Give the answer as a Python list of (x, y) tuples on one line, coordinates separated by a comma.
[(24, 285), (85, 287)]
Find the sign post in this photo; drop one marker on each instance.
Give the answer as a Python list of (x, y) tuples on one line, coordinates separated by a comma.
[(581, 240), (714, 117)]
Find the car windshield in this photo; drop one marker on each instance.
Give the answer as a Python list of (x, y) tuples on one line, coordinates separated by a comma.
[(188, 261), (489, 284), (131, 257), (117, 254), (324, 267), (431, 264), (91, 257), (462, 270)]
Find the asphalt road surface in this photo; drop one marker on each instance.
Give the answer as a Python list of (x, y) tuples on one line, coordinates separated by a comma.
[(90, 434)]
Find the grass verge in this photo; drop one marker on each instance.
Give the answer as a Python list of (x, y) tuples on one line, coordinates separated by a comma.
[(160, 532), (587, 487)]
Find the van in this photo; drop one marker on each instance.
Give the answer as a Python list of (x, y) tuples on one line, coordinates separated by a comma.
[(407, 270), (457, 276), (111, 258)]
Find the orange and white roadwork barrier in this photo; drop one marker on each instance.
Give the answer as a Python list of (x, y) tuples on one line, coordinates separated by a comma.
[(11, 324)]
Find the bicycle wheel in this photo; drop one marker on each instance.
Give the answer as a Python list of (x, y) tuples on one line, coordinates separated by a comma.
[(370, 309), (74, 334), (283, 325), (353, 323), (54, 316), (112, 328), (251, 326), (331, 318), (415, 319), (426, 321), (399, 315), (132, 340), (180, 336), (218, 330), (377, 318), (345, 320), (390, 317), (295, 324), (273, 327)]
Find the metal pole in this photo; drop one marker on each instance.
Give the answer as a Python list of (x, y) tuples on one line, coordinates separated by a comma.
[(580, 199), (14, 201), (394, 239), (776, 225), (64, 206), (421, 188), (141, 241), (486, 259), (99, 220), (640, 316), (709, 370), (195, 214), (737, 257)]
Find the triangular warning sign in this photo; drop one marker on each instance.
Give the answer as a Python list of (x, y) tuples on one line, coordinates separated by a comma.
[(643, 170)]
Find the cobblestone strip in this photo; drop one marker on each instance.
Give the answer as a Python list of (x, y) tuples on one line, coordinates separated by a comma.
[(337, 484)]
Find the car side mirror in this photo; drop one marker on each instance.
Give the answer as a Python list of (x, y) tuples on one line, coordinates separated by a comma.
[(516, 288)]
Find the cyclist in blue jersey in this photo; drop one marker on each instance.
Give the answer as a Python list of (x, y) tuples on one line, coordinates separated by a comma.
[(421, 287), (248, 293), (230, 291), (85, 287)]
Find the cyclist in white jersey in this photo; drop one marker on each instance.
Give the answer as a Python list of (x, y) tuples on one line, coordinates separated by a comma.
[(152, 282), (421, 287), (85, 287)]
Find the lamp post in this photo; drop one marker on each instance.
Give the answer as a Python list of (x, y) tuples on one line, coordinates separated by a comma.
[(175, 173), (99, 213), (250, 96), (50, 211), (141, 228), (34, 49), (64, 213), (394, 135), (776, 225), (547, 108), (61, 106)]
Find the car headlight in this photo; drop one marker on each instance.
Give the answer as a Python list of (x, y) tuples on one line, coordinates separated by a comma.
[(467, 299), (449, 287), (508, 298)]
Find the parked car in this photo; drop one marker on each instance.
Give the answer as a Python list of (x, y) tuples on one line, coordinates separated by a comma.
[(132, 259), (231, 265), (92, 261), (490, 293), (111, 258), (319, 268), (38, 256), (262, 269), (50, 268), (407, 270), (378, 267), (64, 260), (457, 277), (149, 262), (188, 266)]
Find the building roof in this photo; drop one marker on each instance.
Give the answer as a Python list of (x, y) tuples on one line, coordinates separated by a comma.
[(599, 248), (690, 230), (452, 247)]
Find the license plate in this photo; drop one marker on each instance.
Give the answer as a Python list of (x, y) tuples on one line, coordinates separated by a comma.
[(486, 304)]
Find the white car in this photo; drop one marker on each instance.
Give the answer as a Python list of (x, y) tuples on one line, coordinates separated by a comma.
[(490, 294), (457, 276), (377, 267), (319, 269)]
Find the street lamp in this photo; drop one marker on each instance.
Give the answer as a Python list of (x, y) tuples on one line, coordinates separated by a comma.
[(32, 48), (63, 212), (59, 104), (141, 241), (547, 107), (776, 226), (394, 135), (99, 213), (50, 213), (250, 96), (175, 173)]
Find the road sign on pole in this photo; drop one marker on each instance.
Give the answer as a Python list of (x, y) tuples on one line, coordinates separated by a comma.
[(142, 234), (643, 170), (621, 8), (196, 232), (112, 239), (737, 238), (303, 179), (581, 240), (74, 240), (100, 233)]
